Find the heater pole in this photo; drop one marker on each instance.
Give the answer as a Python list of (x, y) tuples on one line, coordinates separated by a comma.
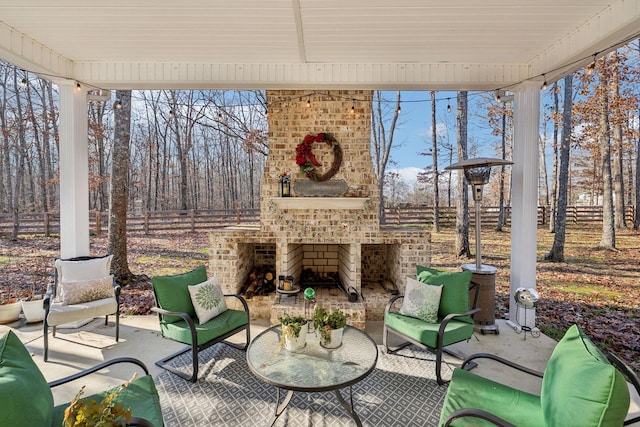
[(478, 255)]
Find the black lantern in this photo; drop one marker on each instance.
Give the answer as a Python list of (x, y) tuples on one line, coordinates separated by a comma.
[(285, 186)]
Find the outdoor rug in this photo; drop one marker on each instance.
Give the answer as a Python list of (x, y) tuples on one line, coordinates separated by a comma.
[(401, 391)]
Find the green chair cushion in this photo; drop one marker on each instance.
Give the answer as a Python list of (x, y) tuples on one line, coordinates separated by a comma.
[(455, 290), (580, 384), (427, 333), (141, 396), (172, 292), (214, 328), (25, 396), (467, 390)]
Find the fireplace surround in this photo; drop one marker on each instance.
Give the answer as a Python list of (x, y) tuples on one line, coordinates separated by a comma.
[(338, 235)]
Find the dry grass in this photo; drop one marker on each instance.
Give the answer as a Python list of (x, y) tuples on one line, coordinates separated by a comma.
[(599, 290), (594, 288)]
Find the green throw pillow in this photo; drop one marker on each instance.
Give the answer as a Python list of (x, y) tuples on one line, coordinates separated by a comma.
[(455, 290), (579, 383), (172, 292), (25, 395)]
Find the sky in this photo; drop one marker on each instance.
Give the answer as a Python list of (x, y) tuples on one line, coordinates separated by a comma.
[(413, 132)]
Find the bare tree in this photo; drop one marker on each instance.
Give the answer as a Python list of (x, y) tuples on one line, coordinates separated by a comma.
[(618, 148), (556, 253), (117, 242), (436, 174), (462, 203), (382, 142), (608, 224), (553, 202), (503, 151)]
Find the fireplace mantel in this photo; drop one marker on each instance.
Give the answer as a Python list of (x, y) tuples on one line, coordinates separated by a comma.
[(320, 202)]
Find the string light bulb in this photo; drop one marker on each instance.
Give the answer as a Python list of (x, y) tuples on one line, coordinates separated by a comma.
[(171, 114), (591, 66), (399, 110), (118, 105), (309, 102), (544, 84), (23, 83), (78, 87), (266, 112), (448, 105), (353, 106), (498, 97)]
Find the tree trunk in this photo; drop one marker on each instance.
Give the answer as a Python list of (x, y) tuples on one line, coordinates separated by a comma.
[(434, 156), (618, 150), (20, 160), (462, 202), (117, 242), (503, 147), (553, 205), (608, 223), (556, 253)]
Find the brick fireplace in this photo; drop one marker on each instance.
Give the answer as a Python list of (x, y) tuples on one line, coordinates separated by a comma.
[(338, 235)]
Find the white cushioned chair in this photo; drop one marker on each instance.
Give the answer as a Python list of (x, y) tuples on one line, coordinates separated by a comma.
[(83, 288)]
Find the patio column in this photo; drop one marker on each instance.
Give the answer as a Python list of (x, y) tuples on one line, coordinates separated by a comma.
[(524, 195), (74, 171)]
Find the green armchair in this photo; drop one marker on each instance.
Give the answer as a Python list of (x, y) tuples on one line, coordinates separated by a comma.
[(454, 321), (180, 322), (27, 399), (580, 387)]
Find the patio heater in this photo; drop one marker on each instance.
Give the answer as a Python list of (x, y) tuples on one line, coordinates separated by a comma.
[(477, 172)]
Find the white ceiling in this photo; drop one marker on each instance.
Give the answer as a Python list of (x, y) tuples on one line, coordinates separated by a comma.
[(399, 44)]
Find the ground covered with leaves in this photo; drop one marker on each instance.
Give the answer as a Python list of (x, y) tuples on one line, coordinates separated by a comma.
[(596, 289)]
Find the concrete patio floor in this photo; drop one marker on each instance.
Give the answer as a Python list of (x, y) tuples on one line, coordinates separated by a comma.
[(76, 349)]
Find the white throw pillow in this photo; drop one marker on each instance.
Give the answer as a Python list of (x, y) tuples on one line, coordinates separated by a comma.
[(83, 270), (421, 300), (79, 291), (208, 300)]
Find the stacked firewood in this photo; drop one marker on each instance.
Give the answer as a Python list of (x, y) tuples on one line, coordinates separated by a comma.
[(260, 281)]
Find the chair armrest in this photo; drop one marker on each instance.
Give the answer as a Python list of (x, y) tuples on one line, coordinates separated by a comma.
[(117, 289), (139, 422), (184, 316), (445, 321), (48, 297), (393, 299), (242, 300), (630, 376), (476, 413), (505, 362), (99, 367)]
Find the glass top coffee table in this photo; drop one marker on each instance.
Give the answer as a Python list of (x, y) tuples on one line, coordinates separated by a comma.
[(312, 368)]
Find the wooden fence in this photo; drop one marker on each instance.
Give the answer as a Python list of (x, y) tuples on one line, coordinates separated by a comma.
[(193, 220)]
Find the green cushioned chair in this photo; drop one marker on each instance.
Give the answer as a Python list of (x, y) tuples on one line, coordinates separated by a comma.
[(178, 320), (27, 399), (455, 316), (580, 387)]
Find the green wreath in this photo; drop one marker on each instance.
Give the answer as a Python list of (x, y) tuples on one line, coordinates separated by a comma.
[(308, 162)]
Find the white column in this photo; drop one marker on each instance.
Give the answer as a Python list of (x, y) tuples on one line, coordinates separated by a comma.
[(74, 171), (524, 194)]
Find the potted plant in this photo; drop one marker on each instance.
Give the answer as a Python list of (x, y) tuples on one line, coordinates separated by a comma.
[(10, 307), (330, 325), (294, 332), (32, 307), (85, 412)]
